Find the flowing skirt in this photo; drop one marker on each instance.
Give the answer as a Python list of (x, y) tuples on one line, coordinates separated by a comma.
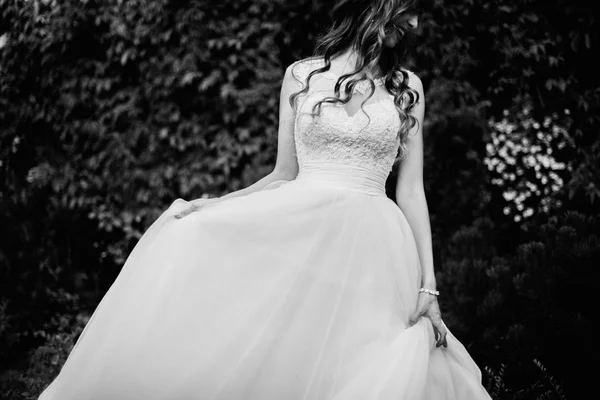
[(300, 291)]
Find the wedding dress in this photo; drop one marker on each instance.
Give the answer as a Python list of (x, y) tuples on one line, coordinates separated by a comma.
[(300, 291)]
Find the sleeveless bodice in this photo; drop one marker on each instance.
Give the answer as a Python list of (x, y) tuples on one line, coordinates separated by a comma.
[(355, 151)]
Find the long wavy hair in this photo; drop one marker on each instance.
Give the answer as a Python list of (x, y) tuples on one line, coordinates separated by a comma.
[(361, 25)]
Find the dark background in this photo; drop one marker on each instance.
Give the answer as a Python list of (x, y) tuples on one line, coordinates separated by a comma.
[(110, 110)]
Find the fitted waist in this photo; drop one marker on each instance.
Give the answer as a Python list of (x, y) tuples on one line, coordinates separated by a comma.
[(343, 176)]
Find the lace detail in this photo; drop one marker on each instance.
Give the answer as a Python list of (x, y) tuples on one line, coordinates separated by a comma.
[(364, 87), (367, 139)]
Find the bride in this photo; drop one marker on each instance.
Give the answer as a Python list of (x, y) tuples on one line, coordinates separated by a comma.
[(309, 284)]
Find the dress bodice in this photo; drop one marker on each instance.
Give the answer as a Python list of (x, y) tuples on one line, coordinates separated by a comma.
[(357, 149)]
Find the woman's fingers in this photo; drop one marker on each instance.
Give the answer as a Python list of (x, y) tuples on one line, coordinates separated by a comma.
[(179, 215), (428, 306), (441, 336), (439, 328), (187, 211), (195, 206)]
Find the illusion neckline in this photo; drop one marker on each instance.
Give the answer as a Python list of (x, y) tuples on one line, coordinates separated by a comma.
[(319, 61), (362, 86), (378, 81)]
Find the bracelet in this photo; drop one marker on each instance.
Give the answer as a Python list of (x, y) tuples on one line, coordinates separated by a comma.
[(429, 291)]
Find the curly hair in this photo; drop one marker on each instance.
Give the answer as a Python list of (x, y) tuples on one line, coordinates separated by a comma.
[(360, 25)]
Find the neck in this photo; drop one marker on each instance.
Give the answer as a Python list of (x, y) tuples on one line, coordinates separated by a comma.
[(347, 60)]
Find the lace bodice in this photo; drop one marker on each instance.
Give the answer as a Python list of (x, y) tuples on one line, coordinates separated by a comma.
[(366, 139)]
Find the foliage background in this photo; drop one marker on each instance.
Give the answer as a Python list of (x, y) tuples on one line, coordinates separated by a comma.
[(110, 110)]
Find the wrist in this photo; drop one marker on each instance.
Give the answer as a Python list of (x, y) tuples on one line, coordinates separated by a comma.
[(429, 284)]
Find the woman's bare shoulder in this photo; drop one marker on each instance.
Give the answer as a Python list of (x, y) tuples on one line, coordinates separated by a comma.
[(414, 82), (408, 72)]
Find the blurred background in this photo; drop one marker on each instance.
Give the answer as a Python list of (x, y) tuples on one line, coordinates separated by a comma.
[(110, 110)]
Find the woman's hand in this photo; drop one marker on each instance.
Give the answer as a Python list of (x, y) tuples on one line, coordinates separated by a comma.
[(194, 206), (427, 305)]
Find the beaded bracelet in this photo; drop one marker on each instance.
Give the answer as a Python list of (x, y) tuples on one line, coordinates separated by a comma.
[(429, 291)]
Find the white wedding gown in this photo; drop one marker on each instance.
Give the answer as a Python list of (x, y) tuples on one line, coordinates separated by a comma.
[(299, 291)]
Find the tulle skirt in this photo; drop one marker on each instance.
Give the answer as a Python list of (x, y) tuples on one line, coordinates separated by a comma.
[(300, 291)]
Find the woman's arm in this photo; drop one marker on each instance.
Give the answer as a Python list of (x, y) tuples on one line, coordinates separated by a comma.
[(410, 193), (286, 166)]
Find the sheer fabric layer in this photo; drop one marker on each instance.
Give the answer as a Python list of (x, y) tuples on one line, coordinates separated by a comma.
[(298, 292)]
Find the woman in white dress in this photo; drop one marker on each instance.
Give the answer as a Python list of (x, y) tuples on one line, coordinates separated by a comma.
[(309, 284)]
